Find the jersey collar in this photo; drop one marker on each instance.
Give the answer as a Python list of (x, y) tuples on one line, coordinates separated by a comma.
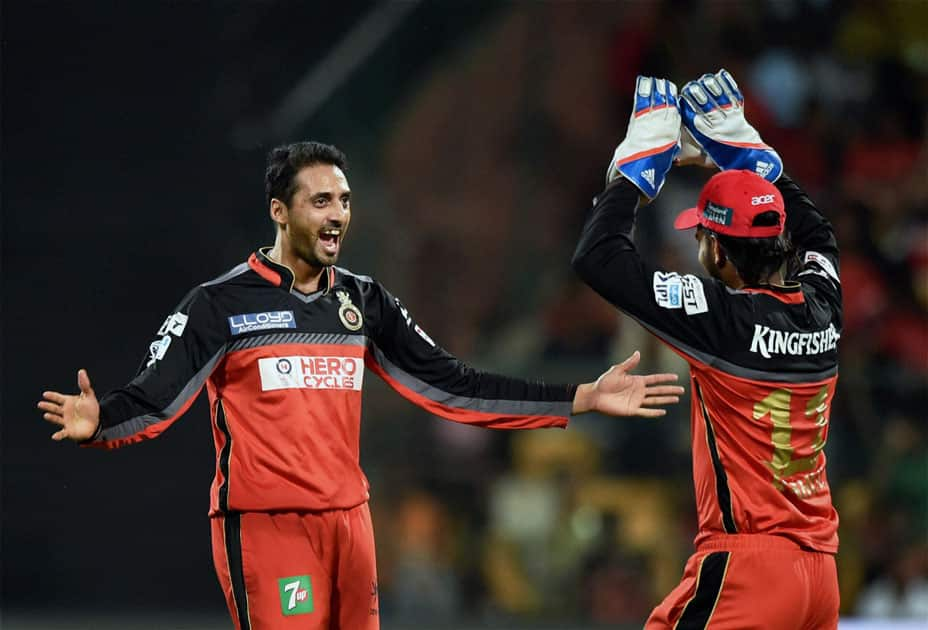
[(281, 275), (789, 293)]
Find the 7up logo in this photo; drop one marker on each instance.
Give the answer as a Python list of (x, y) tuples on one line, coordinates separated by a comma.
[(296, 595)]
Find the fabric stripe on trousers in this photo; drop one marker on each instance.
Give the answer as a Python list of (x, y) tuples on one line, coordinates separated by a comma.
[(699, 609), (232, 524)]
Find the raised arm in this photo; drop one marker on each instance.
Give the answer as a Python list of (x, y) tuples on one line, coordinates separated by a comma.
[(810, 232), (674, 307)]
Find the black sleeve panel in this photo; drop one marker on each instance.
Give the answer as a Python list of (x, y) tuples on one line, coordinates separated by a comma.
[(423, 372), (808, 229), (189, 344), (813, 237)]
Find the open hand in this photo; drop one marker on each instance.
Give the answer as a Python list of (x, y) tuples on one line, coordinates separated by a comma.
[(77, 415), (618, 393)]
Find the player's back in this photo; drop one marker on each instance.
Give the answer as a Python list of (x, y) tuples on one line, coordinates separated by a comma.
[(758, 457)]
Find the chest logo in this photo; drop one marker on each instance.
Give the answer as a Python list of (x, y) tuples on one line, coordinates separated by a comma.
[(248, 322), (348, 312)]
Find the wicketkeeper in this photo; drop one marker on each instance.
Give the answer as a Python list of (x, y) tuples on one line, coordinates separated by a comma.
[(760, 335)]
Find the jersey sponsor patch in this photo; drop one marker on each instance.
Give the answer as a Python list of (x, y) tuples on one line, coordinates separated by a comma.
[(157, 349), (668, 289), (769, 341), (296, 595), (717, 214), (247, 322), (174, 325), (694, 296), (671, 290), (302, 372), (824, 263)]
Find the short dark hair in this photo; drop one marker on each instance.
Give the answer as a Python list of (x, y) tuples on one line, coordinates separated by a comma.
[(757, 258), (284, 162)]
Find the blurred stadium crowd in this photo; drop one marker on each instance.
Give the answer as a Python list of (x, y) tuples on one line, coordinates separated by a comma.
[(594, 524)]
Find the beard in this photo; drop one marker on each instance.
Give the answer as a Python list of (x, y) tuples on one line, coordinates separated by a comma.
[(312, 254)]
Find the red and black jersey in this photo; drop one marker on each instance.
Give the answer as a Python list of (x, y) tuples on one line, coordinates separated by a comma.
[(763, 366), (284, 372)]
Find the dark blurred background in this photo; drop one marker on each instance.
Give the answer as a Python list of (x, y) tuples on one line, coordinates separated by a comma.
[(133, 146)]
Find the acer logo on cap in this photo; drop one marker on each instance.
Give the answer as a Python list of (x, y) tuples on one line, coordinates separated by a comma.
[(762, 199)]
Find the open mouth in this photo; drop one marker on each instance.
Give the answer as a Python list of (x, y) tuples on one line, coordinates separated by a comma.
[(330, 238)]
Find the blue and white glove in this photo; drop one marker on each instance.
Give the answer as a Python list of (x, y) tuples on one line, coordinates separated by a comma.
[(652, 140), (713, 114)]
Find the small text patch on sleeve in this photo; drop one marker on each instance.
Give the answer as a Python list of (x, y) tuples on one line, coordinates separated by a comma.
[(694, 296), (824, 263), (668, 289), (174, 324)]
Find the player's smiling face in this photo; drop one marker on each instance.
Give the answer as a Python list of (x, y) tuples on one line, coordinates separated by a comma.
[(318, 214)]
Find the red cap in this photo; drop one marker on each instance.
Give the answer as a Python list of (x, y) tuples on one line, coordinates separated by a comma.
[(729, 202)]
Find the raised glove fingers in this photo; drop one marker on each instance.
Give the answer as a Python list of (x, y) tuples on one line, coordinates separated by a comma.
[(715, 91), (729, 85), (643, 90), (665, 97), (696, 97), (652, 93), (672, 94), (659, 93), (694, 103)]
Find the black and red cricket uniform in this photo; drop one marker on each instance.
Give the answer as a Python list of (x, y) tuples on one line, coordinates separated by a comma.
[(763, 367), (292, 540)]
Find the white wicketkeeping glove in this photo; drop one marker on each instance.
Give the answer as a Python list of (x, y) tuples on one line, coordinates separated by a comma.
[(653, 137), (713, 114)]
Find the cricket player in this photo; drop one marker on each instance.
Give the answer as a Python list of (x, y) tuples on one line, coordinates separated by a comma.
[(281, 343), (760, 335)]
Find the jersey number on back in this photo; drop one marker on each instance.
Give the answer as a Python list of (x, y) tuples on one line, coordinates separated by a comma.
[(804, 475)]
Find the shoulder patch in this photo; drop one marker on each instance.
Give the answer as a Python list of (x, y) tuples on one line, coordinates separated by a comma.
[(671, 290), (822, 261), (694, 296), (667, 289), (174, 324)]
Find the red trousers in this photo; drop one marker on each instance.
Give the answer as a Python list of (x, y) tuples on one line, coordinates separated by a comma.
[(303, 571), (746, 581)]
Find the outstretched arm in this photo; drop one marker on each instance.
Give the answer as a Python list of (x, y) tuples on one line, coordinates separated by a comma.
[(190, 342), (408, 360)]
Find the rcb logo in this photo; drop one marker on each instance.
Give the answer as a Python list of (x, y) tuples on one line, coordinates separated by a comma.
[(348, 312)]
